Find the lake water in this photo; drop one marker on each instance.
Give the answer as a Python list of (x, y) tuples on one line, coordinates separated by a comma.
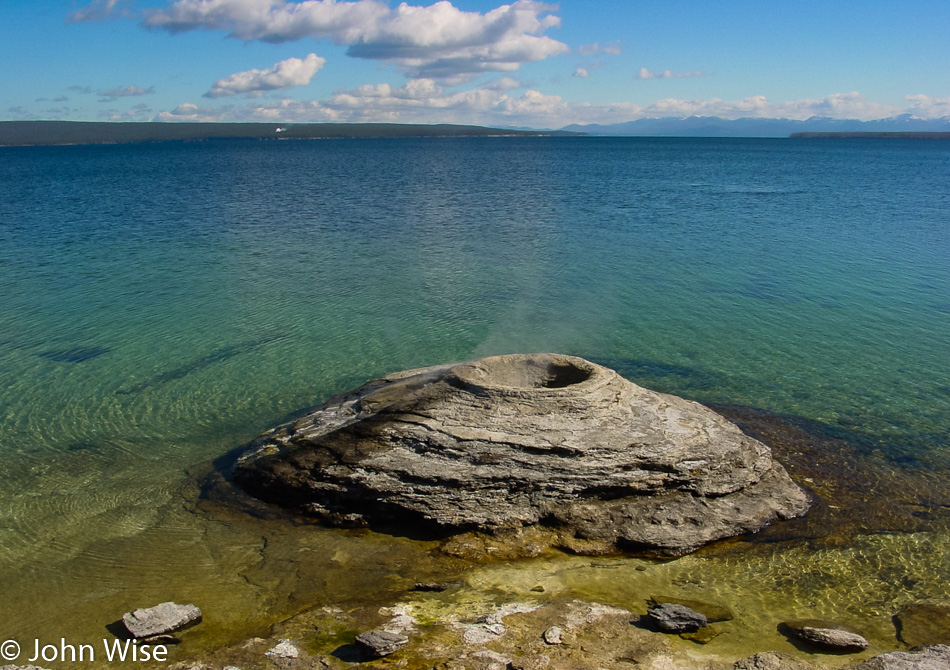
[(162, 304)]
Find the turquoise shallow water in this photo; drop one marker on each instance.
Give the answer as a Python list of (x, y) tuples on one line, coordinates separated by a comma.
[(164, 303)]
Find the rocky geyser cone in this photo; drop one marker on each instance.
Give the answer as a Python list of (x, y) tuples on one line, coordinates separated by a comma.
[(518, 440)]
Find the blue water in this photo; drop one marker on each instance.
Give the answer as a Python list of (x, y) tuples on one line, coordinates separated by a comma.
[(164, 303)]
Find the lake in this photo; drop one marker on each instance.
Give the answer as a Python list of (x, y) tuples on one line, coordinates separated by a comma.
[(165, 303)]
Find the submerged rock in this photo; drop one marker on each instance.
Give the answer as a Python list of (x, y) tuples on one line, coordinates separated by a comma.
[(517, 440), (923, 623), (163, 618)]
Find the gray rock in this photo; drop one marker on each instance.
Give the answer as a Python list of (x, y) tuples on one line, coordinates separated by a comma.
[(673, 618), (554, 635), (379, 643), (833, 638), (713, 612), (770, 660), (826, 634), (936, 657), (512, 440), (161, 619), (284, 649)]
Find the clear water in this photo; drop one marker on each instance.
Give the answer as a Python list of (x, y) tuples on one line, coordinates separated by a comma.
[(162, 304)]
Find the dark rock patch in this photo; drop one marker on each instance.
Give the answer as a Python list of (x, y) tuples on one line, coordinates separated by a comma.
[(923, 623), (76, 355)]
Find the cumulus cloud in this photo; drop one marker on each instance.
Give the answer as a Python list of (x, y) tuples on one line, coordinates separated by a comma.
[(581, 72), (124, 92), (285, 74), (434, 41), (418, 101), (927, 107), (666, 74)]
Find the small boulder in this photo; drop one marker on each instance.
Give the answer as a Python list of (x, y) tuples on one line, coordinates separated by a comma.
[(285, 649), (936, 657), (673, 618), (827, 635), (163, 618), (432, 587), (834, 638), (378, 643), (711, 611)]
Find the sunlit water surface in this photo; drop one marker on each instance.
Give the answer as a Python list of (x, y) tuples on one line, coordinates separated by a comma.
[(162, 304)]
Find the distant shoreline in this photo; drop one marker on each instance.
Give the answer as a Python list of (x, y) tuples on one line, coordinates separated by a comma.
[(908, 135), (64, 133)]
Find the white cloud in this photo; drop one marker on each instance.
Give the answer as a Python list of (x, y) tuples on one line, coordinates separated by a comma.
[(927, 107), (98, 10), (434, 41), (581, 72), (285, 74), (612, 49), (138, 112), (666, 74), (428, 101), (503, 84), (838, 105), (190, 112), (124, 92)]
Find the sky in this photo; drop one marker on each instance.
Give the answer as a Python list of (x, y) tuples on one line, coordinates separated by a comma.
[(524, 64)]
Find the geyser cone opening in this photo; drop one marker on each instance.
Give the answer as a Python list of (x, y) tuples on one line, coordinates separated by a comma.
[(519, 372)]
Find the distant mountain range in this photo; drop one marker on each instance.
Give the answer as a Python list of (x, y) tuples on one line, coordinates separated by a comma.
[(713, 126)]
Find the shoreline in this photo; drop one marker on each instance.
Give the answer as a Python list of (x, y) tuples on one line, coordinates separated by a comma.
[(81, 133), (830, 564)]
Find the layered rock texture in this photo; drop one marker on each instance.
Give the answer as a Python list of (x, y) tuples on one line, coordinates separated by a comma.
[(519, 440)]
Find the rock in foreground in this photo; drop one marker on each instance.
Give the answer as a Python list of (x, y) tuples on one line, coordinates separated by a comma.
[(519, 440), (161, 619)]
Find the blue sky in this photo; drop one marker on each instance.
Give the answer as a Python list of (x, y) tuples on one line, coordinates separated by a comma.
[(524, 64)]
